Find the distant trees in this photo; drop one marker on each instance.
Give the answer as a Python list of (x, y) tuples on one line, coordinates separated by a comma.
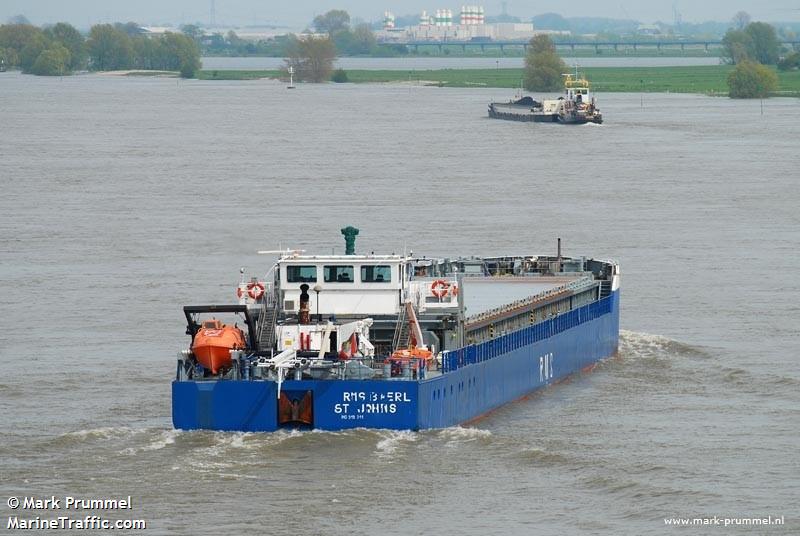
[(339, 76), (113, 48), (132, 29), (737, 46), (364, 38), (756, 42), (24, 46), (766, 47), (750, 48), (71, 39), (232, 45), (179, 53), (358, 41), (790, 62), (312, 58), (350, 39), (35, 45), (741, 20), (751, 80), (351, 42), (110, 48), (331, 22), (8, 57), (550, 21), (543, 67), (53, 61), (193, 31), (61, 49)]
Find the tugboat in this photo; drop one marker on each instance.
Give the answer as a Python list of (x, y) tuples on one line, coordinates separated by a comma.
[(576, 107), (384, 341)]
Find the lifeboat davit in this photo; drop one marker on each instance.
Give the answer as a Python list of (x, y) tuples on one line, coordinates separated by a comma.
[(213, 342)]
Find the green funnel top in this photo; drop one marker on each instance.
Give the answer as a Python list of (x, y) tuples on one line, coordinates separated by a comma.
[(350, 233)]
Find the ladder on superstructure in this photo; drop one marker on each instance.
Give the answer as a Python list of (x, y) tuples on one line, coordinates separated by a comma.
[(267, 321), (605, 289), (401, 331)]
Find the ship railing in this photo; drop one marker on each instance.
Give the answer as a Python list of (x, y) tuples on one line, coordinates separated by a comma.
[(509, 342), (573, 286)]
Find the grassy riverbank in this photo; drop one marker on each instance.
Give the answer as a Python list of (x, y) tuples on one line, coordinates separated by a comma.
[(692, 79)]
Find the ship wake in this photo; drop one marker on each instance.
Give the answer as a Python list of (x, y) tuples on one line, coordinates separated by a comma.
[(638, 345)]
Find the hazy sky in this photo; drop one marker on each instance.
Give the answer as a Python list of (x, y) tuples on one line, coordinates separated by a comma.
[(297, 13)]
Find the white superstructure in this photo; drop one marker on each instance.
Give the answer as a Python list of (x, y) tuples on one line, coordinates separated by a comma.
[(360, 285)]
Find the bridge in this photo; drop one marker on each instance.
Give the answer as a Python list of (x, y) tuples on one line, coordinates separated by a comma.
[(572, 45)]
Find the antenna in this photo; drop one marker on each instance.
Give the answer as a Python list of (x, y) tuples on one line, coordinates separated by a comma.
[(676, 16)]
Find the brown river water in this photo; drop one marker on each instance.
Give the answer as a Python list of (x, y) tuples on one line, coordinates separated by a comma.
[(124, 199)]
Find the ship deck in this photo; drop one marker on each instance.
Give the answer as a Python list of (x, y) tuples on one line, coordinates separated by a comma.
[(482, 294)]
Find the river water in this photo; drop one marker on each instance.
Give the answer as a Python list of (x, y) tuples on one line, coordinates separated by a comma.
[(416, 63), (126, 198)]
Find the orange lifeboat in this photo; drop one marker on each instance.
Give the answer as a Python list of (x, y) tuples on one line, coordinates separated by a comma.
[(213, 342), (413, 353), (416, 358)]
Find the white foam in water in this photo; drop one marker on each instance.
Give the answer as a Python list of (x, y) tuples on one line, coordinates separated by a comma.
[(635, 344), (108, 432), (164, 438), (394, 439), (237, 441), (167, 437), (461, 434)]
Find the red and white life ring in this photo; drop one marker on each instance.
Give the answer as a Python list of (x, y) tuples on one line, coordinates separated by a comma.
[(255, 290), (439, 288)]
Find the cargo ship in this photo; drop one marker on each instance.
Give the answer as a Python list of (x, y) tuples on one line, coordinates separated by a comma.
[(576, 106), (400, 342)]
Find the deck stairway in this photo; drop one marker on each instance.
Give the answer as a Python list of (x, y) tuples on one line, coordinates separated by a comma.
[(401, 331), (605, 289), (266, 323)]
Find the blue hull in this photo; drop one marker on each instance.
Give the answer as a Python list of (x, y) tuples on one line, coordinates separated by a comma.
[(476, 379)]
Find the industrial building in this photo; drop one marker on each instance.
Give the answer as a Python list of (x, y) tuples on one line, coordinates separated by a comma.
[(440, 25)]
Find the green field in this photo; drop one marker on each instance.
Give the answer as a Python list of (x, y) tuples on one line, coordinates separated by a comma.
[(236, 75), (694, 79)]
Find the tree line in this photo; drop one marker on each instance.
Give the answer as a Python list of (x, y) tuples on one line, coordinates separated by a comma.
[(312, 55), (753, 47), (61, 49), (348, 39)]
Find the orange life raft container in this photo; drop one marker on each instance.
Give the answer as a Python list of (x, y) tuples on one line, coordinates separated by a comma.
[(213, 342)]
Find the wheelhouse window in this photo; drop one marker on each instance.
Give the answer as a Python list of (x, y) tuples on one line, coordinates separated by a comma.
[(301, 274), (338, 274), (376, 274)]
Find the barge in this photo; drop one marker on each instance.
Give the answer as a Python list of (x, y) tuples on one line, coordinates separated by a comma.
[(576, 106), (401, 342)]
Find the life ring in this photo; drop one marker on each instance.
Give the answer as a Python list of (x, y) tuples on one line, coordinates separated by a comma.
[(439, 288), (255, 290)]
